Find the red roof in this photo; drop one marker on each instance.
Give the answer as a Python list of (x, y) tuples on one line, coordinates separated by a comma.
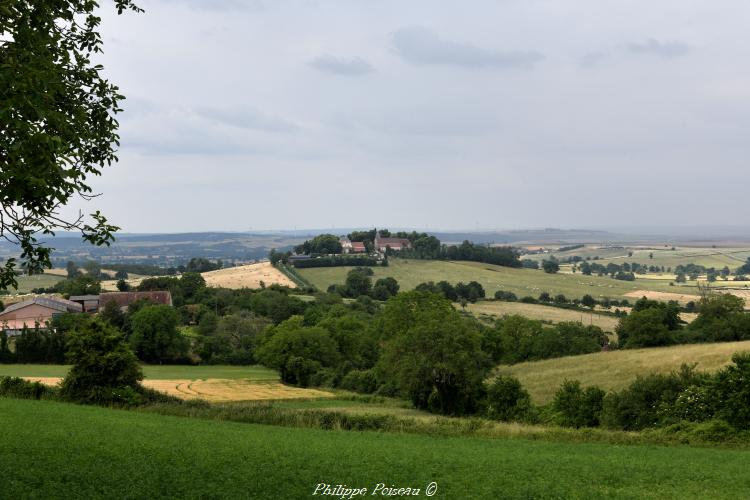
[(358, 246)]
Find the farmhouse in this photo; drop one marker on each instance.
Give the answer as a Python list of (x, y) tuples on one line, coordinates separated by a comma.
[(381, 243), (348, 246), (36, 311)]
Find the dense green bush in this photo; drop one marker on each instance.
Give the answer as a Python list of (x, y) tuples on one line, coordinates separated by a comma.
[(15, 387), (577, 407), (505, 296), (507, 400), (105, 370), (360, 381), (647, 400), (297, 351)]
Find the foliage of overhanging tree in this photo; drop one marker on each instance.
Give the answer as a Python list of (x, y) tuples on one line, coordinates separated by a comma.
[(57, 124)]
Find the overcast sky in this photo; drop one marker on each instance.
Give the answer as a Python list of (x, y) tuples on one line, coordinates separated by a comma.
[(448, 115)]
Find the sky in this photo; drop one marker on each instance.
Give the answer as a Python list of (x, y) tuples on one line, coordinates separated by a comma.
[(251, 114)]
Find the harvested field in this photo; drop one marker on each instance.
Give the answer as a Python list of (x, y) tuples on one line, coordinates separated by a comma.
[(220, 390), (248, 276), (682, 298)]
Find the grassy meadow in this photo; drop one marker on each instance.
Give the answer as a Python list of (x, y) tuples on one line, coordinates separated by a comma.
[(522, 282), (28, 283), (64, 451), (543, 313), (616, 369)]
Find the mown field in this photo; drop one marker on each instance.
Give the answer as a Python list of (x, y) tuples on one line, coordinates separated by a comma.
[(56, 450), (616, 369), (154, 372), (522, 282), (543, 313)]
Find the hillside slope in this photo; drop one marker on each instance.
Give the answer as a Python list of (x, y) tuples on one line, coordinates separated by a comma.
[(616, 369)]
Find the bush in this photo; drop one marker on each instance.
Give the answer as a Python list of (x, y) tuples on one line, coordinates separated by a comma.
[(645, 402), (360, 381), (507, 400), (505, 296), (731, 392), (15, 387), (576, 407), (105, 370)]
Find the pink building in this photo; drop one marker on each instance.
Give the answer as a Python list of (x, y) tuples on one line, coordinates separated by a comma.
[(36, 311)]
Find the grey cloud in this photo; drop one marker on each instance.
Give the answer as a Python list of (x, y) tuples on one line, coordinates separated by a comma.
[(667, 50), (246, 118), (593, 59), (421, 46), (355, 66)]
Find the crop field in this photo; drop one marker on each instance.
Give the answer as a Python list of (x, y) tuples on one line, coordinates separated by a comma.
[(616, 369), (155, 372), (542, 312), (248, 276), (522, 282), (88, 452)]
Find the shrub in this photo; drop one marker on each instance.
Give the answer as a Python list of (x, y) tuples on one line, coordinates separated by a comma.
[(507, 400), (360, 381), (15, 387), (576, 407), (105, 370), (506, 296), (731, 391)]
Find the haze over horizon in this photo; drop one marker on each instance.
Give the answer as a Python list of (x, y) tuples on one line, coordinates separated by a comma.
[(512, 114)]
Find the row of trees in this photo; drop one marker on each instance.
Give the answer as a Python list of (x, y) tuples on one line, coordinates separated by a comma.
[(721, 318)]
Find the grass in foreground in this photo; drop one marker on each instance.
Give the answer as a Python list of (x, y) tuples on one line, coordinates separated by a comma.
[(522, 282), (615, 370), (60, 450), (154, 372)]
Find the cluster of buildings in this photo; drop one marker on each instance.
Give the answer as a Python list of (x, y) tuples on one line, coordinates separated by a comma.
[(381, 244), (40, 310)]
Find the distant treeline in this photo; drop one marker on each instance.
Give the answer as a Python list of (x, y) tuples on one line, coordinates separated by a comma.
[(423, 246), (143, 269), (335, 261)]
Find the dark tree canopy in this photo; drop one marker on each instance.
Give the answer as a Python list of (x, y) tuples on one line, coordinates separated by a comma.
[(57, 124)]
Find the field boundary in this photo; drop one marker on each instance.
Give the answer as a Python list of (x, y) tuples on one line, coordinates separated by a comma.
[(294, 276)]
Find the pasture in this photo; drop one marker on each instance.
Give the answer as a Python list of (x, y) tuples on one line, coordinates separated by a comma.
[(658, 255), (615, 370), (27, 283), (522, 282), (63, 450), (542, 313)]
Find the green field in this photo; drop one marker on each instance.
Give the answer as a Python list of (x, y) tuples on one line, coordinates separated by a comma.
[(522, 282), (543, 313), (56, 450), (154, 372), (732, 257), (616, 369), (28, 283)]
